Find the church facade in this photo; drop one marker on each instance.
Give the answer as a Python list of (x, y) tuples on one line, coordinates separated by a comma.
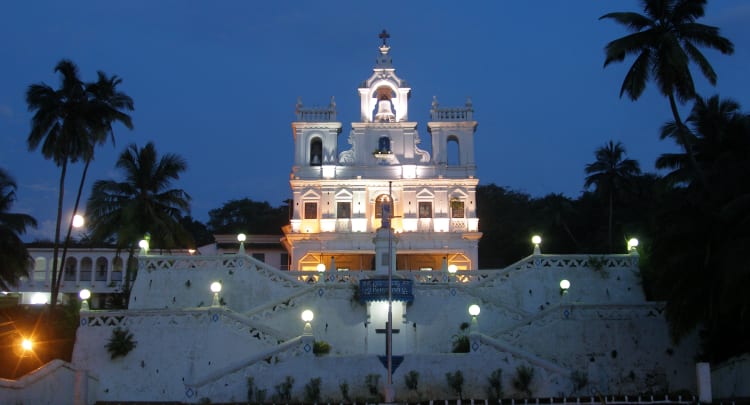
[(340, 197)]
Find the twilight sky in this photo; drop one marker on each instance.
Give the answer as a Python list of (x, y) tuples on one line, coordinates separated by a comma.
[(216, 82)]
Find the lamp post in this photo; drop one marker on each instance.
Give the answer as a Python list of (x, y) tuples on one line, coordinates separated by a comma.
[(84, 294), (144, 245), (216, 289), (474, 312), (241, 238), (564, 285), (633, 246), (536, 240), (307, 317)]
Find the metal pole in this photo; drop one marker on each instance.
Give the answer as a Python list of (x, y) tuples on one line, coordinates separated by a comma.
[(389, 328)]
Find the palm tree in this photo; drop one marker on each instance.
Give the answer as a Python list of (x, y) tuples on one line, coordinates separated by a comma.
[(105, 104), (142, 204), (13, 254), (61, 125), (718, 133), (665, 40), (704, 283), (68, 123), (611, 173)]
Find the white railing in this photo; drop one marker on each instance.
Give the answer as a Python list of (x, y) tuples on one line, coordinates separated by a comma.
[(452, 114)]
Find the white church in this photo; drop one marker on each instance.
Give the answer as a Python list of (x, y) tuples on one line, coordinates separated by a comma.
[(379, 222)]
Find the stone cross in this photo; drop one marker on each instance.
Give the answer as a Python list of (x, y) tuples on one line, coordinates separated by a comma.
[(384, 36)]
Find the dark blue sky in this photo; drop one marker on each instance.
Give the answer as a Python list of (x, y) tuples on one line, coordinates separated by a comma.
[(216, 82)]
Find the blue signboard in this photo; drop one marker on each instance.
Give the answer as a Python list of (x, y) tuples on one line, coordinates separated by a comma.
[(377, 290)]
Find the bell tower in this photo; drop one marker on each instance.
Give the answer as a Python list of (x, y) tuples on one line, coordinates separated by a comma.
[(384, 97)]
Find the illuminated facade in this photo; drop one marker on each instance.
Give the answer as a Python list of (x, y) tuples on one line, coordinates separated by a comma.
[(339, 196)]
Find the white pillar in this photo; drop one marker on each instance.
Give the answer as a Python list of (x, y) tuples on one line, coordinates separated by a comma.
[(703, 375)]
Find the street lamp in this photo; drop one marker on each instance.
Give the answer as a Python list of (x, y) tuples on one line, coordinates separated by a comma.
[(78, 221), (241, 238), (452, 269), (474, 312), (143, 244), (307, 317), (564, 285), (84, 294), (216, 289), (633, 245), (536, 240), (27, 344)]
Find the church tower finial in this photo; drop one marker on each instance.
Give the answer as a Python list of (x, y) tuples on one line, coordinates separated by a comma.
[(384, 60), (384, 36)]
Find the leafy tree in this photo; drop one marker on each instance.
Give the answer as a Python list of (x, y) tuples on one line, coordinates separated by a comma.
[(68, 123), (198, 230), (666, 39), (506, 223), (557, 214), (14, 257), (611, 173), (143, 204), (701, 236), (248, 216)]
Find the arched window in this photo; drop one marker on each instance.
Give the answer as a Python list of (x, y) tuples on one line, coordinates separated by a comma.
[(40, 269), (117, 269), (383, 205), (70, 269), (86, 267), (384, 144), (453, 150), (316, 152), (101, 269)]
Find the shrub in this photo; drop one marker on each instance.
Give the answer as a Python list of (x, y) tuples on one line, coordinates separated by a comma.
[(120, 343), (580, 379), (522, 380), (411, 379), (372, 381), (312, 391), (284, 390), (344, 388), (495, 381), (321, 347), (456, 382)]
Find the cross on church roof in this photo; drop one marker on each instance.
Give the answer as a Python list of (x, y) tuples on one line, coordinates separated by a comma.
[(384, 36)]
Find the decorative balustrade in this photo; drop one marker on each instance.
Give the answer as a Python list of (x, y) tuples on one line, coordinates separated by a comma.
[(465, 113), (316, 114), (541, 261)]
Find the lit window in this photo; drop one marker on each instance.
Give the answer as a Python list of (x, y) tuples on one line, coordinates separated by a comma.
[(425, 209), (383, 202), (316, 152), (311, 210), (457, 209), (343, 210)]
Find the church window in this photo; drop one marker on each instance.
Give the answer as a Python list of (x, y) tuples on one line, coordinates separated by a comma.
[(457, 209), (425, 209), (311, 210), (343, 210), (382, 203), (453, 155), (384, 145), (316, 152)]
